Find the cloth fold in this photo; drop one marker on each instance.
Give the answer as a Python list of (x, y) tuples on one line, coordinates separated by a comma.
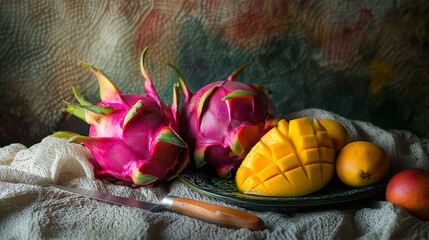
[(29, 210)]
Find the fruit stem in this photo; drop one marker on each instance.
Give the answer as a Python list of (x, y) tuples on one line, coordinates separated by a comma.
[(365, 175)]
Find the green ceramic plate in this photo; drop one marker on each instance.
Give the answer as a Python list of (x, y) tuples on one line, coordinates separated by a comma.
[(335, 194)]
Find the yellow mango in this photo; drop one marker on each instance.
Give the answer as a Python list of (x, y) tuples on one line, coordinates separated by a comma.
[(295, 158), (339, 134)]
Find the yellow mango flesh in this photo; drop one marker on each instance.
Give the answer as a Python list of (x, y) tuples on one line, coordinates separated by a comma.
[(295, 158)]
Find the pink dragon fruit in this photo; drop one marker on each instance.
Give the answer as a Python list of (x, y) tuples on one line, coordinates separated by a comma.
[(224, 120), (134, 139)]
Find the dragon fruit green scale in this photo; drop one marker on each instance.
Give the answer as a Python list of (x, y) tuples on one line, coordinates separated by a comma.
[(224, 120), (134, 139)]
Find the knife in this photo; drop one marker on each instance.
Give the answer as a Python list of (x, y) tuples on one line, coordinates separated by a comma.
[(208, 212)]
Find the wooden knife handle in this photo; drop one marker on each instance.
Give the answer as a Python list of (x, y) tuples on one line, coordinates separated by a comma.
[(219, 215)]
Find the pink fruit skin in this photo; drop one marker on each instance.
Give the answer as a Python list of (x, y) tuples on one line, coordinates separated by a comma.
[(136, 140), (119, 152), (409, 189), (221, 131)]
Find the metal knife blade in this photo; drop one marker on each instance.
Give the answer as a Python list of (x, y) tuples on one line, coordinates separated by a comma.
[(208, 212), (109, 198)]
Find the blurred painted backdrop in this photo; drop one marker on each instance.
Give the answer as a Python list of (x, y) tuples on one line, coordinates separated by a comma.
[(365, 60)]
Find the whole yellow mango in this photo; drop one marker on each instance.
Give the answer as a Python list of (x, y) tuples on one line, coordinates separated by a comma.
[(339, 134), (362, 163), (292, 159)]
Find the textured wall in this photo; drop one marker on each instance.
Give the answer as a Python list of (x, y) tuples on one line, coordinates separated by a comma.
[(366, 60)]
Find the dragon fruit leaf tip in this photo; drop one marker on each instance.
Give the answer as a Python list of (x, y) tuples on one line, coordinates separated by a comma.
[(80, 98), (245, 138), (199, 153), (148, 83), (238, 93), (109, 92), (90, 114), (72, 136), (175, 103), (182, 83), (170, 136), (203, 103), (143, 179), (237, 71), (132, 113), (64, 134), (75, 110)]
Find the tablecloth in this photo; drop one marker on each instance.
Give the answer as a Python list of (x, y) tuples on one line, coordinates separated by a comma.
[(29, 210)]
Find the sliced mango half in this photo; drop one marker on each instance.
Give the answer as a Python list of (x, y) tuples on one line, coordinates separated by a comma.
[(295, 158)]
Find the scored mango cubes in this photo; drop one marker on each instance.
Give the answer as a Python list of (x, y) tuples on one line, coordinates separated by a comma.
[(292, 159)]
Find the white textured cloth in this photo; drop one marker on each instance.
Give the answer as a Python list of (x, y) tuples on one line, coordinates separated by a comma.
[(30, 211)]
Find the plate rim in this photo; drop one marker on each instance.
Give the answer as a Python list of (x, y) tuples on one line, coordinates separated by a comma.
[(276, 202)]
